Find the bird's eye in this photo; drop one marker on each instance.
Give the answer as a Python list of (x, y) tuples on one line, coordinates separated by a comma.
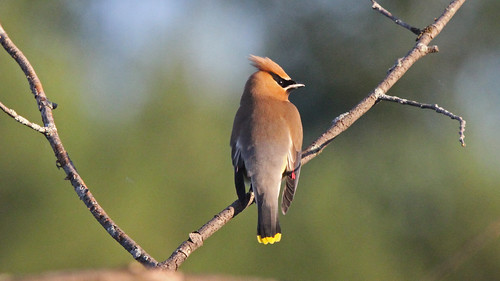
[(282, 82)]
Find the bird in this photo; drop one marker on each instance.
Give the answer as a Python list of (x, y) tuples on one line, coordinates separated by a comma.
[(266, 144)]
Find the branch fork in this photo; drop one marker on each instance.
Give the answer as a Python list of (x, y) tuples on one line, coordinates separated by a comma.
[(196, 238)]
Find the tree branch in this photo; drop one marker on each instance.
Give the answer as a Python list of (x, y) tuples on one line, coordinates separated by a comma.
[(12, 113), (63, 160), (196, 238), (376, 6), (434, 107), (344, 121), (402, 65)]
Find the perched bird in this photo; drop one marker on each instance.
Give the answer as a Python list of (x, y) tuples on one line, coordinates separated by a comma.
[(266, 144)]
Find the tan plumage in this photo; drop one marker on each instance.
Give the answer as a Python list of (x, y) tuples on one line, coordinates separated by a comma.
[(267, 65), (266, 144)]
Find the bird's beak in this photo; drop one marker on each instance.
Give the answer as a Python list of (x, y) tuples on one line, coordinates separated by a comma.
[(294, 86)]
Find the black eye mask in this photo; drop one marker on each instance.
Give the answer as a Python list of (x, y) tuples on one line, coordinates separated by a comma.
[(282, 82)]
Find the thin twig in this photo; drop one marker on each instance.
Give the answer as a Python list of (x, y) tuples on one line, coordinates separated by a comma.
[(434, 107), (402, 65), (65, 162), (376, 6), (12, 113), (196, 238), (339, 125), (345, 120)]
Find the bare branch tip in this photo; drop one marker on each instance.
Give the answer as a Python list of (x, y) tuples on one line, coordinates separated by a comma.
[(461, 131), (383, 11), (433, 49), (375, 5), (435, 107)]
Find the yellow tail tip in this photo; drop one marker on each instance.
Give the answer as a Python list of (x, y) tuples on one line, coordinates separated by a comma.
[(269, 240)]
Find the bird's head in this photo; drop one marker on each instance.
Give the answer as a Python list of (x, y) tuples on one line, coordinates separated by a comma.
[(270, 79)]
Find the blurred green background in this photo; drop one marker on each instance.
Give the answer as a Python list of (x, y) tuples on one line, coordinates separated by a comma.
[(147, 91)]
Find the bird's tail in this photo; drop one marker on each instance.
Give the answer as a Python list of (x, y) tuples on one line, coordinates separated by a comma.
[(268, 226)]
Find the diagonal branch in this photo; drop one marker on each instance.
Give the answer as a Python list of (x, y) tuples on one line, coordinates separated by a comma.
[(402, 65), (344, 121), (376, 6), (196, 239), (63, 160), (12, 113)]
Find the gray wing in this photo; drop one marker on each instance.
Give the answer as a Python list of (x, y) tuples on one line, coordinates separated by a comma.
[(291, 175)]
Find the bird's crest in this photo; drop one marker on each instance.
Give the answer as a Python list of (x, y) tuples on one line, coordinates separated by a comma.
[(266, 64)]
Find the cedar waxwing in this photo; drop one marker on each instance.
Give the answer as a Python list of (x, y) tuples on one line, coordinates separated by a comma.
[(266, 144)]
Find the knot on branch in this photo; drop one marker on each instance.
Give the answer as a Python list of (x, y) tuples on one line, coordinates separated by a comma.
[(427, 49), (50, 130), (196, 238), (81, 191), (112, 230), (378, 93), (422, 48), (398, 63), (427, 30), (136, 253)]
